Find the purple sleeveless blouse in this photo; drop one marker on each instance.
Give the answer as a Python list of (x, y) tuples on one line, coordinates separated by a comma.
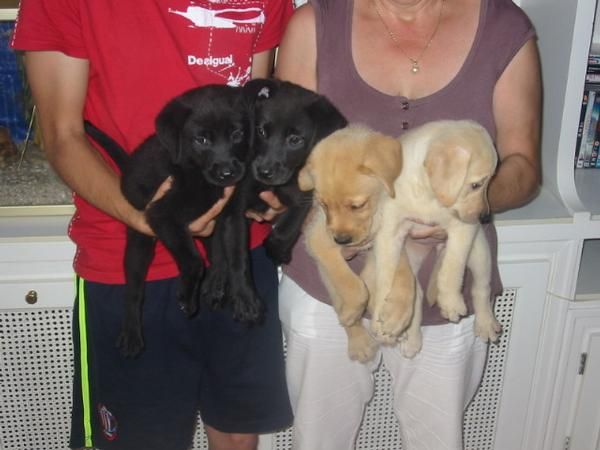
[(503, 30)]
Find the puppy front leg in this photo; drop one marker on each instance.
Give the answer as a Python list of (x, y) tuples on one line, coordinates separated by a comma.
[(229, 278), (285, 233), (394, 292), (347, 290), (452, 268), (480, 265), (214, 285), (178, 240), (361, 345), (394, 305), (411, 341), (247, 306)]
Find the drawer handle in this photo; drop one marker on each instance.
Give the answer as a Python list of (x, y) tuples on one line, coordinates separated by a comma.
[(31, 297)]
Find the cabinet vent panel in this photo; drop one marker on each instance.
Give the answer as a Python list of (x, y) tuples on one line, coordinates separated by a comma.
[(380, 429), (36, 363), (36, 370)]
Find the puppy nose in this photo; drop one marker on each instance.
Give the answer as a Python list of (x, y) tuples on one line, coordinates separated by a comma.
[(226, 172), (265, 173), (342, 239)]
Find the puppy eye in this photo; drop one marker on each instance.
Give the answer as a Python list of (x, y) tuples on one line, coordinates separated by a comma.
[(357, 206), (476, 186), (261, 132), (237, 136), (295, 141), (202, 141)]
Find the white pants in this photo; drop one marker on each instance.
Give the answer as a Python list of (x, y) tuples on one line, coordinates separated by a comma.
[(329, 391)]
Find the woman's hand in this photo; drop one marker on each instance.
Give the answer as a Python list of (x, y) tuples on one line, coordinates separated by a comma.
[(424, 233), (275, 208)]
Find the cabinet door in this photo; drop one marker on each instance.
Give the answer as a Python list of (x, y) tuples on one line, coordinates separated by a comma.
[(575, 421), (36, 273), (586, 418)]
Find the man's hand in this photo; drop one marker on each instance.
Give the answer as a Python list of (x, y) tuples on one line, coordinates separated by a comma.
[(275, 208), (203, 226)]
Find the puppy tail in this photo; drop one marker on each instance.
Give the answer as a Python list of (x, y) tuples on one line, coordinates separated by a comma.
[(114, 150)]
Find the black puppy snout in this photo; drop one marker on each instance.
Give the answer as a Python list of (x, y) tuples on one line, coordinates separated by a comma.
[(343, 239), (226, 173), (265, 172)]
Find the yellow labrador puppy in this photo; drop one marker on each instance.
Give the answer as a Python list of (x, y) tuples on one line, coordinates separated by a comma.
[(445, 169), (352, 173)]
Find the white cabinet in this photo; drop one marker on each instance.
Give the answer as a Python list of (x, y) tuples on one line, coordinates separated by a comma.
[(36, 355), (575, 419), (585, 420), (36, 273), (36, 360), (564, 403)]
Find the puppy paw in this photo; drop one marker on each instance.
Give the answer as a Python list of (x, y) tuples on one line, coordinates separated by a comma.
[(130, 342), (390, 319), (410, 343), (350, 303), (452, 307), (188, 303), (361, 346), (487, 328), (189, 293), (349, 314), (278, 250), (247, 307), (213, 289)]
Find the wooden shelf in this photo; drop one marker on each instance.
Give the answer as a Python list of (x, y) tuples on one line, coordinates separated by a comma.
[(588, 283), (8, 9), (587, 182)]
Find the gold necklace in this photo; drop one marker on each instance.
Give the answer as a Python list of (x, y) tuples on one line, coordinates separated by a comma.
[(414, 61)]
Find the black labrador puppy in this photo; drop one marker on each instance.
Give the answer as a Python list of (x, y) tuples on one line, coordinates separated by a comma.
[(288, 122), (202, 142)]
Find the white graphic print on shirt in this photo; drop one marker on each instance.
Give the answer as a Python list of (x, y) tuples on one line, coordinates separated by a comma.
[(220, 14)]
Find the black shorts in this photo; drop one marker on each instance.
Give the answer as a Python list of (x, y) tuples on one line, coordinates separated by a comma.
[(232, 374)]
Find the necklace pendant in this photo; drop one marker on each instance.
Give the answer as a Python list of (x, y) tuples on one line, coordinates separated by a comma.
[(415, 67)]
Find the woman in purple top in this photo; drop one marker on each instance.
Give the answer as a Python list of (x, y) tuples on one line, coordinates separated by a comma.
[(393, 65)]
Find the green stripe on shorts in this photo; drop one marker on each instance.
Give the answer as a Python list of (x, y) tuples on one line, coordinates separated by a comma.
[(83, 355)]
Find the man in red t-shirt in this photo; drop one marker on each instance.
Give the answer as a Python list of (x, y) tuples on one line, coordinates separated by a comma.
[(117, 63)]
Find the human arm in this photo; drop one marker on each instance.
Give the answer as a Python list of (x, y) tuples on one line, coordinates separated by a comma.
[(517, 113), (297, 57), (59, 86), (262, 64)]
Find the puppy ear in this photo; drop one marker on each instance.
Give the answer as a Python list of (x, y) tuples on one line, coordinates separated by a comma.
[(306, 181), (169, 124), (260, 89), (446, 167), (326, 117), (383, 159)]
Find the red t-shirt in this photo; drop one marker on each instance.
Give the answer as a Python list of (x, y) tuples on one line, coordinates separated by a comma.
[(141, 54)]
